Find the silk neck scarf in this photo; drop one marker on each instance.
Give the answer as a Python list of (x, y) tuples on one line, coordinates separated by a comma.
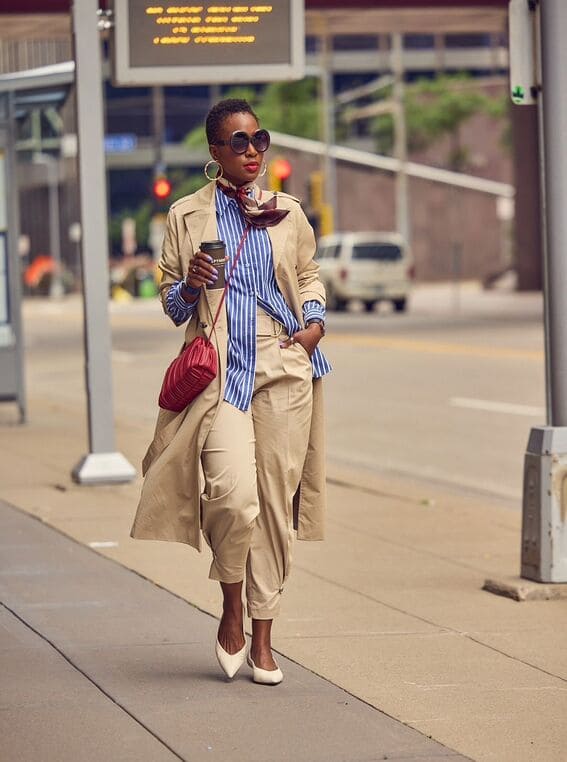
[(258, 215)]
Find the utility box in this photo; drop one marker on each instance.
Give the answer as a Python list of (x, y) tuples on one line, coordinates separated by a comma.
[(544, 519)]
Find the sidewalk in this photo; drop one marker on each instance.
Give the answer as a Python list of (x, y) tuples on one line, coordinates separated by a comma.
[(100, 664), (389, 608)]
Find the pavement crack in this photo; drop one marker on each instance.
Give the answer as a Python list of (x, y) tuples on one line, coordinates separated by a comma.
[(91, 680), (336, 482), (425, 620), (406, 546), (427, 480)]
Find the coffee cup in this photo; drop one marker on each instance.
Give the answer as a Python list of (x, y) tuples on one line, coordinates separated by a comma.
[(216, 250)]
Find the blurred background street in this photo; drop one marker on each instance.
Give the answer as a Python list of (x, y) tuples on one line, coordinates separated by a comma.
[(427, 416), (404, 128), (446, 391)]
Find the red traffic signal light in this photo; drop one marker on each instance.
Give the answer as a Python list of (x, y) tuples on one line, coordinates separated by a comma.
[(281, 169), (161, 188)]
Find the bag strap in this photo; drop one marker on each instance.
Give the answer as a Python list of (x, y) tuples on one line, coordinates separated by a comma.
[(236, 258)]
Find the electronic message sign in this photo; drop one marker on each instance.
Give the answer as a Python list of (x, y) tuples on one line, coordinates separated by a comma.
[(165, 44)]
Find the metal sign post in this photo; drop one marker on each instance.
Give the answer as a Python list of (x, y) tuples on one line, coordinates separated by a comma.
[(544, 527), (103, 464), (11, 361), (403, 216)]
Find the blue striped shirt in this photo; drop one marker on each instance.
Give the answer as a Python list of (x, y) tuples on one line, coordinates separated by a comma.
[(253, 283)]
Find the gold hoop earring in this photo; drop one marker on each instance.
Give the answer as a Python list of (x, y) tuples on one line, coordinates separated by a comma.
[(220, 169), (264, 169)]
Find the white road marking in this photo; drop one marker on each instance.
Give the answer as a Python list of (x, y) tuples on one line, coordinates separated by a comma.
[(492, 406), (103, 544)]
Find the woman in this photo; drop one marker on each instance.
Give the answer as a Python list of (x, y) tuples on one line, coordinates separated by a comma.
[(243, 465)]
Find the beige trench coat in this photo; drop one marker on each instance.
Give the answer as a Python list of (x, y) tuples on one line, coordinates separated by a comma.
[(169, 507)]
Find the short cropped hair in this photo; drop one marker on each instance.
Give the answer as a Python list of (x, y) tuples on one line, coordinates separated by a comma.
[(220, 111)]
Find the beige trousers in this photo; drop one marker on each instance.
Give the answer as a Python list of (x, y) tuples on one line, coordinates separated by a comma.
[(252, 463)]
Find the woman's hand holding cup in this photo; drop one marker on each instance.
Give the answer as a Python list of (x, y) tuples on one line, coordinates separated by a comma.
[(206, 268), (201, 272)]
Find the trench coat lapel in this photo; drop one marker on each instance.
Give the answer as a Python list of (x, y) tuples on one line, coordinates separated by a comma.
[(201, 224), (200, 219), (278, 236)]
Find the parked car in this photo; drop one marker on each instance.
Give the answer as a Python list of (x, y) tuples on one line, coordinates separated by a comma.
[(372, 267)]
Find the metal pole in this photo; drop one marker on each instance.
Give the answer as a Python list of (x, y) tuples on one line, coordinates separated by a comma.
[(158, 119), (56, 289), (102, 464), (541, 216), (16, 288), (390, 164), (401, 142), (12, 378), (554, 72), (544, 520), (328, 122)]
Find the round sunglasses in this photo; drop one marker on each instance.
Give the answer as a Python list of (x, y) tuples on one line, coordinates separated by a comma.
[(240, 140)]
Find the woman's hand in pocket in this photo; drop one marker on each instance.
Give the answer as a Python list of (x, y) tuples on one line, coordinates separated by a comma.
[(308, 338)]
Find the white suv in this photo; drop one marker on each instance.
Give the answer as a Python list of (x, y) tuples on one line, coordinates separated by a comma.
[(372, 267)]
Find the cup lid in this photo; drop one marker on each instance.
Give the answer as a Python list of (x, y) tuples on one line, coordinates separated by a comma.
[(212, 245)]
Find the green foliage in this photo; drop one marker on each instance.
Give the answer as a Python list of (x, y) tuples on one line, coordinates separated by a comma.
[(185, 185), (436, 108), (142, 217), (382, 130), (290, 107), (197, 139)]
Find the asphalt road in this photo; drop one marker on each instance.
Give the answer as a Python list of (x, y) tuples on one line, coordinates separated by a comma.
[(447, 392)]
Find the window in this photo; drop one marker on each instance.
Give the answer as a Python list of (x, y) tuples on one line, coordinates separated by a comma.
[(472, 40), (355, 42), (331, 251), (382, 252), (419, 41), (311, 43)]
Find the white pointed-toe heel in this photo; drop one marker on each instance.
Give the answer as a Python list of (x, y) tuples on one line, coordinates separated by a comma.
[(265, 676), (230, 663)]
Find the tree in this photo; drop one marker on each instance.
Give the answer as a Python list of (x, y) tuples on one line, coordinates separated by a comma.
[(435, 108), (290, 107)]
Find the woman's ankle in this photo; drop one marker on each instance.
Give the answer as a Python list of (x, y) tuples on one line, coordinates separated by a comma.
[(261, 636), (232, 611), (232, 600)]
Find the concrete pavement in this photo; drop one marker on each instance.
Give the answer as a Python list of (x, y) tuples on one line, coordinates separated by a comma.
[(390, 607), (99, 663)]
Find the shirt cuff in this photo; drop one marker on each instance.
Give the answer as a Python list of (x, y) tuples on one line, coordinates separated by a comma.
[(313, 310), (177, 308)]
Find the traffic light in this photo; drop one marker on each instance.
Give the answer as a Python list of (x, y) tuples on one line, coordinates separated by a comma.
[(279, 171), (161, 188)]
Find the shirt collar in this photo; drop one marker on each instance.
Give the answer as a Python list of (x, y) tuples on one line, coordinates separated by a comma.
[(223, 202)]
